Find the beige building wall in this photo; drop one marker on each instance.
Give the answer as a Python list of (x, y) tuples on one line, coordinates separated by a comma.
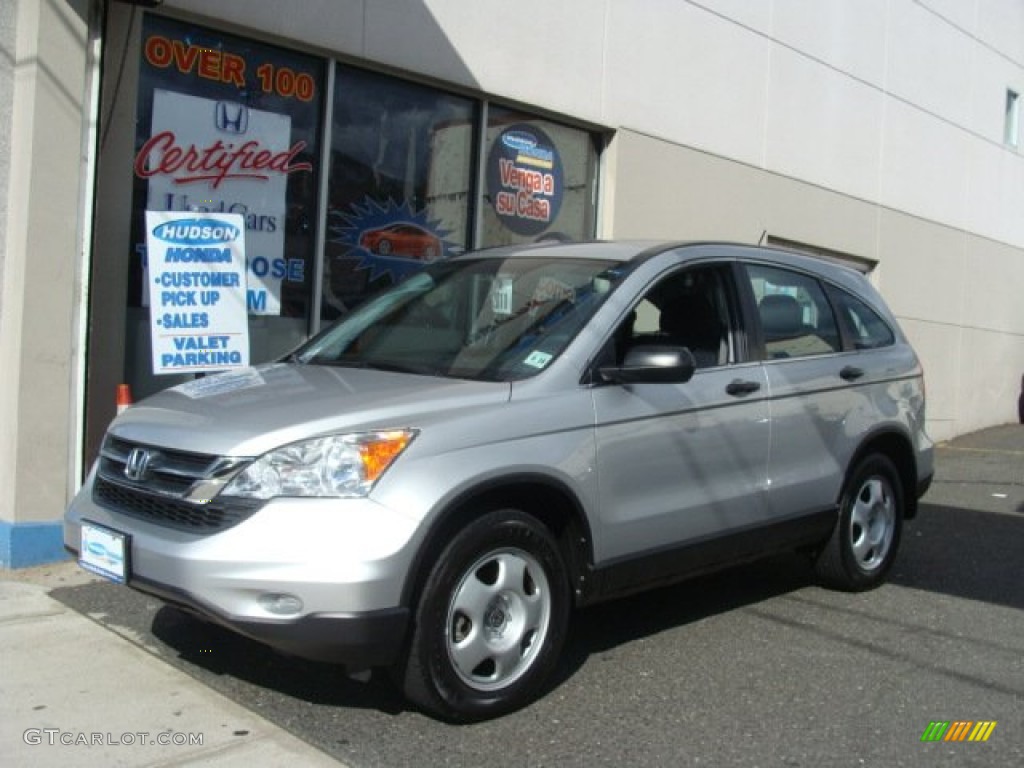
[(956, 294), (46, 55), (870, 127)]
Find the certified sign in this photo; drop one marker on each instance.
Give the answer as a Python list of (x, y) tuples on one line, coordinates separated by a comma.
[(197, 309)]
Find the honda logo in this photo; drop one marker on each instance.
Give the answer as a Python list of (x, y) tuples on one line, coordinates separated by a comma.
[(231, 117), (138, 464)]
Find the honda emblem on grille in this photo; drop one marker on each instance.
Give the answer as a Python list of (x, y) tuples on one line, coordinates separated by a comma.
[(137, 465)]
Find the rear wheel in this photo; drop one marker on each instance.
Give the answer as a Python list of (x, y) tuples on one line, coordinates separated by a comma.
[(865, 540), (491, 620)]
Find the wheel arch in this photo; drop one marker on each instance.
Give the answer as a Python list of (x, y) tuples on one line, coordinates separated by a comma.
[(547, 499), (898, 448)]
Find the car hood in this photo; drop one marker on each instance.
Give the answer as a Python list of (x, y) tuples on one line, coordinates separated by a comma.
[(251, 411)]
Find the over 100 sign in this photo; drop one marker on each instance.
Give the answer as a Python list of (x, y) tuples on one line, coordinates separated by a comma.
[(198, 319)]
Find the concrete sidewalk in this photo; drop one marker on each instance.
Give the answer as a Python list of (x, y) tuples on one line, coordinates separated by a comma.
[(75, 693)]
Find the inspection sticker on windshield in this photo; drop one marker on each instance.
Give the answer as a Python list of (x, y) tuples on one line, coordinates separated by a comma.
[(104, 552), (537, 359), (501, 295)]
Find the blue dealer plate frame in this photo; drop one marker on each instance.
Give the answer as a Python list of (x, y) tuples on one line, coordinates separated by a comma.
[(104, 551)]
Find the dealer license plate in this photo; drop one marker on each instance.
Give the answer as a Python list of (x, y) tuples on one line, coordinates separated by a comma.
[(104, 552)]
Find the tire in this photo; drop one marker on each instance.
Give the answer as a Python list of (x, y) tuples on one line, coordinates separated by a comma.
[(491, 620), (384, 247), (866, 538)]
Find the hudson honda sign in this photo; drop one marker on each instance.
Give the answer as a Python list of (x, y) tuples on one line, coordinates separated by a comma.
[(197, 282)]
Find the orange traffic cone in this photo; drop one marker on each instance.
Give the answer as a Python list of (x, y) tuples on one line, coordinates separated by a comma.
[(124, 397)]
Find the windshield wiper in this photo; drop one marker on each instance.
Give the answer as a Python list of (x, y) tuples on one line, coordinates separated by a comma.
[(379, 365)]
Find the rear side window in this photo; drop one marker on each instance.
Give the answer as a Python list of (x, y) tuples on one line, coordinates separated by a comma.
[(865, 327), (796, 317)]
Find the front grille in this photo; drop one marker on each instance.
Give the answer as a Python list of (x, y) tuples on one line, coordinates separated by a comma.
[(170, 472), (215, 516), (160, 494)]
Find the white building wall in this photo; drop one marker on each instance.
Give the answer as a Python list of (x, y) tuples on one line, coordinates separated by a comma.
[(42, 113), (872, 127), (896, 102)]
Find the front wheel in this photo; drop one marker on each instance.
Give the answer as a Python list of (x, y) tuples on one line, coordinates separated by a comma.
[(866, 537), (491, 620)]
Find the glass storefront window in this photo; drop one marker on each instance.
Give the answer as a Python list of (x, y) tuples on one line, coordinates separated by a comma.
[(229, 125), (224, 124), (400, 184), (540, 179)]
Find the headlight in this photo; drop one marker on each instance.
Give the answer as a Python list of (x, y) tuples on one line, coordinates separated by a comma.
[(338, 465)]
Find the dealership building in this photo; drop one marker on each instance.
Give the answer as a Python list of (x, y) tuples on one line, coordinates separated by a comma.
[(355, 140)]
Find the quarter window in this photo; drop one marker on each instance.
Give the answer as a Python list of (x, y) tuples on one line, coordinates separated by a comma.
[(796, 319), (867, 329)]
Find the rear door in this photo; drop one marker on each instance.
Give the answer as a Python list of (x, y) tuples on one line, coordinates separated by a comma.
[(809, 384)]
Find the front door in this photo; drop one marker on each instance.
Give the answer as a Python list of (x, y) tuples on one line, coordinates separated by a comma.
[(683, 463)]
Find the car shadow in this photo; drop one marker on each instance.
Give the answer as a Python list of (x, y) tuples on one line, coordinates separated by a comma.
[(970, 554), (965, 553), (604, 626), (230, 663), (217, 652)]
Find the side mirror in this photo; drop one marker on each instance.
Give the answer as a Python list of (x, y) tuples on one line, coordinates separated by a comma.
[(647, 364)]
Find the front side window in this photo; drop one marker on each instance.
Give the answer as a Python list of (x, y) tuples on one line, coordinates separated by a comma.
[(490, 319), (796, 319), (688, 309)]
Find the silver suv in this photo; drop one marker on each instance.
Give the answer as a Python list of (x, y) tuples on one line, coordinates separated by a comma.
[(434, 483)]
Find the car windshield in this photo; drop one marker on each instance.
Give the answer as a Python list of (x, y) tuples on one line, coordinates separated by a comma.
[(491, 319)]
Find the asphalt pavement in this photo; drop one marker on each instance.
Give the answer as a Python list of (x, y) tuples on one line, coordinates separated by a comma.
[(757, 666)]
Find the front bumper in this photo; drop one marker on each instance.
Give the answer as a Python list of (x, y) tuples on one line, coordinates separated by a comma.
[(344, 562), (357, 640)]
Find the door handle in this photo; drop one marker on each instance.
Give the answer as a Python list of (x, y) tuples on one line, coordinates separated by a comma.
[(740, 387), (851, 373)]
